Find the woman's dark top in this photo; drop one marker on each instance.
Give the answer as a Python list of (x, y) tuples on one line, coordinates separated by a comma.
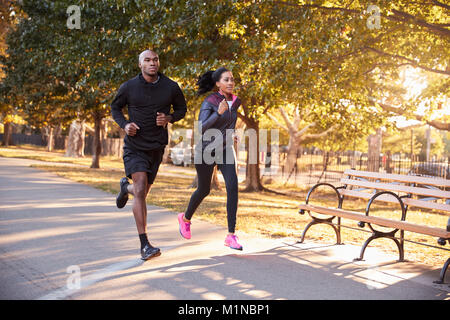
[(211, 119)]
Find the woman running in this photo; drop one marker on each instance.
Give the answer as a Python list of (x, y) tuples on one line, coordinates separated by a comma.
[(218, 111)]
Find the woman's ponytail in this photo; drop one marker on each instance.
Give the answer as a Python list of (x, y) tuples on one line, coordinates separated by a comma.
[(207, 81)]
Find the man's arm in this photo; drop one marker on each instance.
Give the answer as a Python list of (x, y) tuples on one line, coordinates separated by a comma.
[(117, 105), (178, 104)]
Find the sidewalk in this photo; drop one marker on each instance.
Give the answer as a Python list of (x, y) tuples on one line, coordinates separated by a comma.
[(51, 227)]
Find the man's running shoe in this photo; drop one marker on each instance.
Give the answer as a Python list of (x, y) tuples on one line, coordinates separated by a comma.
[(185, 227), (149, 252), (122, 197), (231, 241)]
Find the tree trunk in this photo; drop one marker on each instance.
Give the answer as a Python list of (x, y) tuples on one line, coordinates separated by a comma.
[(374, 141), (122, 135), (326, 157), (215, 185), (50, 138), (389, 162), (7, 134), (253, 176), (97, 145), (75, 143), (166, 158), (291, 158), (253, 182)]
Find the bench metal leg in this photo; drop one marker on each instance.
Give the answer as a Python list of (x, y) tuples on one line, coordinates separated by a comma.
[(401, 251), (366, 243), (380, 235), (443, 270), (447, 263), (322, 221), (313, 222)]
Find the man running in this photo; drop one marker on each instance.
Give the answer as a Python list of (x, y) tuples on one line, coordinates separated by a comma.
[(148, 97)]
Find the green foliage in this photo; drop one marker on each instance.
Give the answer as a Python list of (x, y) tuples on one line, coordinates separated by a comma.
[(446, 140), (415, 141), (320, 56)]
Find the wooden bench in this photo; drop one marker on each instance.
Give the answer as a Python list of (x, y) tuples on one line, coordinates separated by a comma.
[(404, 190)]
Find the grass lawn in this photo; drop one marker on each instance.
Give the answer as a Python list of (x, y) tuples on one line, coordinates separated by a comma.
[(264, 214), (40, 153)]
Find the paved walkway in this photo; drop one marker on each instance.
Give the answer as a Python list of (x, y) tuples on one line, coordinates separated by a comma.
[(54, 232)]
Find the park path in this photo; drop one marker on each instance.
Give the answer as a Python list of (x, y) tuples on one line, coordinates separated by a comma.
[(54, 231)]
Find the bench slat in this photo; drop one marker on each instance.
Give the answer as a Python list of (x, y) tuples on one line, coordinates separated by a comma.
[(407, 226), (408, 201), (400, 177), (399, 188), (366, 195)]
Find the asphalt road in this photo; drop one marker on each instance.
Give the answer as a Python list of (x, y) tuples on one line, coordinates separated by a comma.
[(65, 240)]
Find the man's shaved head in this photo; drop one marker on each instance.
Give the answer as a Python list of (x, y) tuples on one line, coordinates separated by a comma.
[(149, 64), (144, 53)]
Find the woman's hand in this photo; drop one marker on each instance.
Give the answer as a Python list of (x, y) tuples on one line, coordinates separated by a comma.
[(223, 106)]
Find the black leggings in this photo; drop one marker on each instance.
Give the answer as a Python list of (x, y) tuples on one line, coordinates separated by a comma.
[(204, 173)]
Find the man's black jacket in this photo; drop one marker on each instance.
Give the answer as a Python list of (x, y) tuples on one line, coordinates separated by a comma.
[(144, 100)]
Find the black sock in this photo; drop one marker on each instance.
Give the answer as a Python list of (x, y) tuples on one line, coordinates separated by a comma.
[(144, 240)]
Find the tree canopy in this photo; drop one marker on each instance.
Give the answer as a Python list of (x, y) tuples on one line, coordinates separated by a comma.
[(339, 64)]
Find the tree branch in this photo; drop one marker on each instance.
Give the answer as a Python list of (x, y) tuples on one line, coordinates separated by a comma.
[(296, 121), (317, 135), (89, 128), (410, 61), (300, 133), (277, 122), (291, 128), (434, 123), (398, 16), (410, 127), (412, 19), (440, 4)]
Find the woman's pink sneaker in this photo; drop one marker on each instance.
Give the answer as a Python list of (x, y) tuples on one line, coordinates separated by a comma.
[(185, 227), (231, 241)]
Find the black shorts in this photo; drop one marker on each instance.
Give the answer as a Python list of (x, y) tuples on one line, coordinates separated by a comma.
[(142, 161)]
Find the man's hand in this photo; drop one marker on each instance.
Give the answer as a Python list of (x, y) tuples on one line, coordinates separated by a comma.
[(162, 119), (131, 129)]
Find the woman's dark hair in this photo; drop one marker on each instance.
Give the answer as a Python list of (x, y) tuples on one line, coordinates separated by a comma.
[(207, 81)]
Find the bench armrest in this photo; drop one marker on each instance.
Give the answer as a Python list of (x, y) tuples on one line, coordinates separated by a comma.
[(372, 199), (340, 198)]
